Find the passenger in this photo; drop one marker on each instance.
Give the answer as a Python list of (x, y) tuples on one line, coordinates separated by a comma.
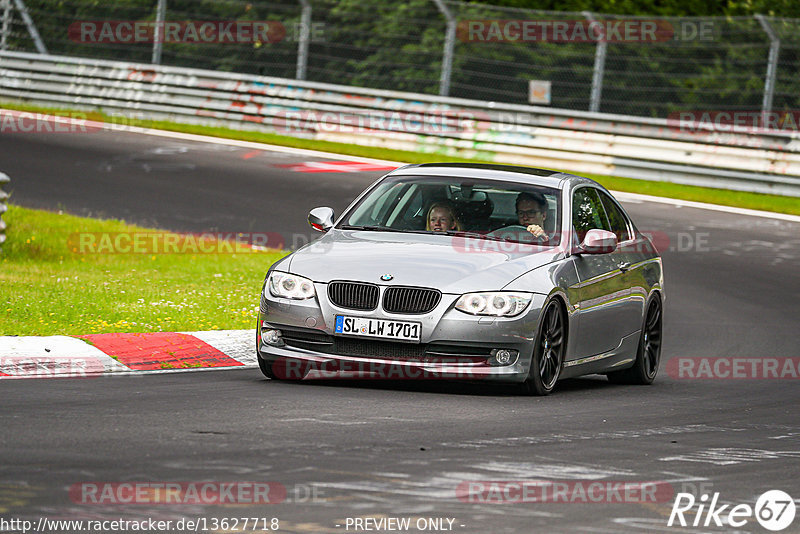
[(442, 218)]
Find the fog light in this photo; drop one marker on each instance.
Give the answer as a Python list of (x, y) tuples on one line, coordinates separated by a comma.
[(271, 337), (504, 356)]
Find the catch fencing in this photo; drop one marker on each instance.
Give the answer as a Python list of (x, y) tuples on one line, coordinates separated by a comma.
[(449, 48), (585, 142)]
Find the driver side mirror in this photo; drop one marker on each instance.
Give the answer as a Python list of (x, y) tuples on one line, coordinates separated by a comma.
[(321, 219), (598, 241)]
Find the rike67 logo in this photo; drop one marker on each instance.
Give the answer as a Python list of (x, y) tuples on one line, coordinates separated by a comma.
[(774, 510)]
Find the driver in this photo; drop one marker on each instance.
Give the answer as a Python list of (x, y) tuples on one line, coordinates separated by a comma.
[(531, 214)]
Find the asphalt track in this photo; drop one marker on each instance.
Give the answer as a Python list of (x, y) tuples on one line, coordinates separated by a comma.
[(394, 449)]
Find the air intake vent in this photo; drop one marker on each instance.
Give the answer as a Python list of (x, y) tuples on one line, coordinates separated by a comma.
[(353, 295), (413, 300)]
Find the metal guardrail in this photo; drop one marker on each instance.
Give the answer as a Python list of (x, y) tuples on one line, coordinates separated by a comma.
[(595, 143), (4, 179)]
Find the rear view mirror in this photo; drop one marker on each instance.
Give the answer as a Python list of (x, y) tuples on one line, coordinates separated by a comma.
[(321, 219), (598, 242)]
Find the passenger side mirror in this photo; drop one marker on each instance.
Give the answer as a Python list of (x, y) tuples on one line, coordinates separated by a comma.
[(598, 241), (321, 219)]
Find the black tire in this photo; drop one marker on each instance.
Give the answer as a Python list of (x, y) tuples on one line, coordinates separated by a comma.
[(266, 368), (278, 370), (648, 356), (549, 348)]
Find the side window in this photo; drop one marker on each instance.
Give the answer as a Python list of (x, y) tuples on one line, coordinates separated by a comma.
[(617, 219), (587, 212)]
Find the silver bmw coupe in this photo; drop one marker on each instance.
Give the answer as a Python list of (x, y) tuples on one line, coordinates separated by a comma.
[(468, 272)]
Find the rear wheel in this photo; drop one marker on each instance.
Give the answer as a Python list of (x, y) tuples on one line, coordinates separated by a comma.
[(548, 351), (648, 357)]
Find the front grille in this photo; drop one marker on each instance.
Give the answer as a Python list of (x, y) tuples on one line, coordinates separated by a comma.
[(410, 299), (388, 350), (353, 295)]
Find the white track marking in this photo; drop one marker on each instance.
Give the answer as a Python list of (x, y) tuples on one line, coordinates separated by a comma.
[(237, 344), (53, 357)]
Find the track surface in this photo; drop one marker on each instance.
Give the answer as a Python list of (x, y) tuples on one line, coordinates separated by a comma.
[(401, 449)]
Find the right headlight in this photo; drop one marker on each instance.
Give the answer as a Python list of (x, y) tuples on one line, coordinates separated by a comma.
[(290, 286), (496, 303)]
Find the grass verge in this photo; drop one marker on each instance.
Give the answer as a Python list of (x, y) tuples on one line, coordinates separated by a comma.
[(47, 288), (740, 199)]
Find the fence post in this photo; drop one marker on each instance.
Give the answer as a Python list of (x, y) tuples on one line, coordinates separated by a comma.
[(599, 67), (158, 36), (772, 68), (4, 179), (449, 45), (305, 36), (34, 33), (6, 27)]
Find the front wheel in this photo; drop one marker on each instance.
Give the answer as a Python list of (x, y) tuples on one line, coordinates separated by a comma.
[(648, 356), (548, 351), (266, 367)]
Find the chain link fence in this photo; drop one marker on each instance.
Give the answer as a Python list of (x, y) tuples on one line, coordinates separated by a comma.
[(587, 61)]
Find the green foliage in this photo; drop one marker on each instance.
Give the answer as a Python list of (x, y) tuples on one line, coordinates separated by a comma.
[(48, 288)]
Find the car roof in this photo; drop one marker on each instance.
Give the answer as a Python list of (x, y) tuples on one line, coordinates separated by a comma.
[(490, 171)]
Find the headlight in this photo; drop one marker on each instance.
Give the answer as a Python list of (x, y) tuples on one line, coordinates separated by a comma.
[(290, 286), (498, 304)]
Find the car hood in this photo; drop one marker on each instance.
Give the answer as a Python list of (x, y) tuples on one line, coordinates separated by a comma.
[(450, 264)]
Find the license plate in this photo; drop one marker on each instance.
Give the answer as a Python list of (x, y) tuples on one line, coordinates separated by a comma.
[(382, 328)]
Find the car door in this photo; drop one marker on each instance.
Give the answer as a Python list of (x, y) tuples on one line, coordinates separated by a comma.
[(629, 258), (603, 287)]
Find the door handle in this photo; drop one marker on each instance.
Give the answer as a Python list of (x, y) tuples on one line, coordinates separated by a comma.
[(624, 266)]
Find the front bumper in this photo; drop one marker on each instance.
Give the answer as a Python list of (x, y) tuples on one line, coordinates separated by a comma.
[(454, 345)]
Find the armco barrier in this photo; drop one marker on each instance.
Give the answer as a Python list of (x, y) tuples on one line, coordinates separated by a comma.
[(4, 179), (596, 143)]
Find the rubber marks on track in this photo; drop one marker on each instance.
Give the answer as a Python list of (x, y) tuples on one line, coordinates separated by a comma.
[(337, 166)]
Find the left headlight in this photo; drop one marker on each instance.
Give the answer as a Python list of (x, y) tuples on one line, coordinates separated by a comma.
[(290, 286), (498, 303)]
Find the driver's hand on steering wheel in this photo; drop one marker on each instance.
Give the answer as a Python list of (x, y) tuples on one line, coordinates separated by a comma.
[(536, 230)]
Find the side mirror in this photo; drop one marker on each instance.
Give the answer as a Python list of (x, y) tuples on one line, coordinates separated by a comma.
[(598, 242), (321, 219)]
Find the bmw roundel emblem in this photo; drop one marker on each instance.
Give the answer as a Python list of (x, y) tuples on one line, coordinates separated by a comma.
[(387, 277)]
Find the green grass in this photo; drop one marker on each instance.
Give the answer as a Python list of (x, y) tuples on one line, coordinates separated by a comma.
[(47, 288), (776, 203)]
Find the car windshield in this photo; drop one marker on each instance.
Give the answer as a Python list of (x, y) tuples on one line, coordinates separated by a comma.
[(487, 209)]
